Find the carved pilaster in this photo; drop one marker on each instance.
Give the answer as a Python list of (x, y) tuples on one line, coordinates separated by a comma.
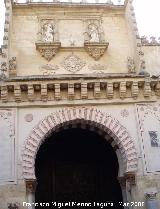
[(31, 186), (122, 90), (109, 90), (44, 95), (135, 90), (17, 93), (71, 91), (97, 90), (57, 91), (30, 92), (147, 88), (84, 91), (4, 93)]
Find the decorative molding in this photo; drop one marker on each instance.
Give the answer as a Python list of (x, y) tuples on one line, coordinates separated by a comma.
[(48, 50), (92, 117), (87, 88), (96, 50), (150, 41), (73, 63)]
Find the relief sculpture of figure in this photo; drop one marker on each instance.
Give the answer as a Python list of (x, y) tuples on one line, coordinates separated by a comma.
[(93, 33), (48, 32)]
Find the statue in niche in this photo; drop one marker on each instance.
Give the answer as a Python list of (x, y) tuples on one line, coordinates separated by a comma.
[(92, 34), (48, 31)]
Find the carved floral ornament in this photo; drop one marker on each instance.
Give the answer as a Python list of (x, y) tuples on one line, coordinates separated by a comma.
[(73, 63)]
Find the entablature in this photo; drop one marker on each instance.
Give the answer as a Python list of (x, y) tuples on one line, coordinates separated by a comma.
[(80, 87)]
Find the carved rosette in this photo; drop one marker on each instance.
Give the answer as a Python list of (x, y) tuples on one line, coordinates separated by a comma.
[(48, 50), (96, 50), (73, 63)]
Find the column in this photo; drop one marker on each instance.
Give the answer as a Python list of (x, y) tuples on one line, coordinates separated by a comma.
[(30, 189)]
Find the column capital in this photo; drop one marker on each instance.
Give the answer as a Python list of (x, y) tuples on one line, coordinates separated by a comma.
[(130, 177), (31, 185)]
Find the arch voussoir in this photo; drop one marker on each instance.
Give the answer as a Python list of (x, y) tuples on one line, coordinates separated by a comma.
[(92, 117)]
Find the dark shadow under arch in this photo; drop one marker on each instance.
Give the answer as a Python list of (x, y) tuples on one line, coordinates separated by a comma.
[(77, 165)]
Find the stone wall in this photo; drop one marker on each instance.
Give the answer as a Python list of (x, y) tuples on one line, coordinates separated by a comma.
[(30, 62)]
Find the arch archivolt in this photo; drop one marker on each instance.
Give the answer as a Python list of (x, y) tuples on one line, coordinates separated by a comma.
[(86, 117)]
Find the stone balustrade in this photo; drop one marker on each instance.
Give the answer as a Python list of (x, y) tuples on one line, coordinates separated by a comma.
[(29, 89)]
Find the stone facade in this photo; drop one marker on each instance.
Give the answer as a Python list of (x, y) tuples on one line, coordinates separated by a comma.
[(63, 64)]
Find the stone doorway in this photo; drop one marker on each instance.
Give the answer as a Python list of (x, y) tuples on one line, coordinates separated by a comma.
[(77, 165)]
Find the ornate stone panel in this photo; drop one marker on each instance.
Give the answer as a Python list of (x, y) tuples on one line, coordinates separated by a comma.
[(7, 141), (149, 132), (73, 63)]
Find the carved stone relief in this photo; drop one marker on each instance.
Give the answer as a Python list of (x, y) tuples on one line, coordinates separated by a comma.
[(47, 50), (3, 70), (94, 42), (48, 30), (49, 69), (28, 117), (7, 137), (93, 32), (124, 113), (150, 134), (73, 63), (131, 65), (12, 66), (48, 44), (98, 68)]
